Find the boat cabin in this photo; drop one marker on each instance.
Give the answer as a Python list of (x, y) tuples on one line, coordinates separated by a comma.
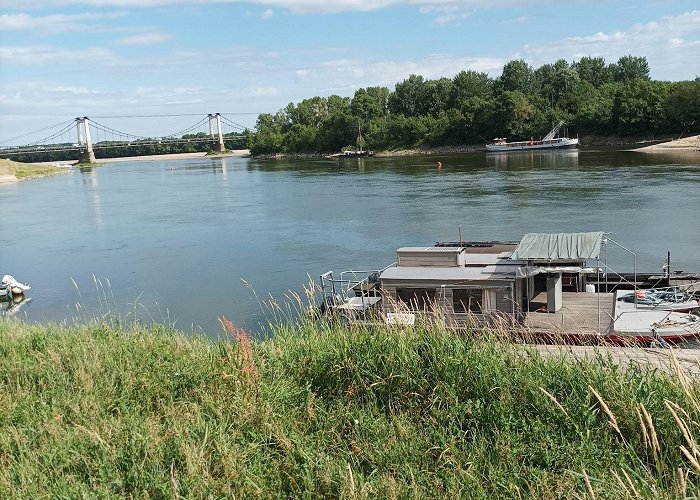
[(475, 281), (511, 283)]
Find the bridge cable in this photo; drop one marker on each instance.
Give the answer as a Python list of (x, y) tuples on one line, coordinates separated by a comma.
[(174, 115), (46, 139), (233, 124), (71, 122)]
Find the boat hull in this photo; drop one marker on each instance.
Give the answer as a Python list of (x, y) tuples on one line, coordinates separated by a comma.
[(555, 144), (356, 154)]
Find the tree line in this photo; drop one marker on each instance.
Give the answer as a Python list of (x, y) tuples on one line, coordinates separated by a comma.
[(591, 96)]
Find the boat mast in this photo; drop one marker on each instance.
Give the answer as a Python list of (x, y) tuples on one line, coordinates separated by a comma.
[(553, 132)]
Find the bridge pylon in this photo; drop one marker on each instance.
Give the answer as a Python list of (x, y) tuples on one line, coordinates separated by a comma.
[(85, 151), (217, 142)]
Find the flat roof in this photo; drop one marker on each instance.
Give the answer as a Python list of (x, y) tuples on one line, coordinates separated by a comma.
[(406, 273), (430, 249)]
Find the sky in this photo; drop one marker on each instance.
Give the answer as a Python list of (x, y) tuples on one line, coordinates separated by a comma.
[(132, 64)]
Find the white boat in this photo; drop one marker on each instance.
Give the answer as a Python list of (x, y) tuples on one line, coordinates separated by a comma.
[(359, 152), (650, 325), (656, 299), (550, 141), (14, 287)]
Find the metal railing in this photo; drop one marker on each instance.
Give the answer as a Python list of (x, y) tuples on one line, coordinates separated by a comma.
[(342, 288)]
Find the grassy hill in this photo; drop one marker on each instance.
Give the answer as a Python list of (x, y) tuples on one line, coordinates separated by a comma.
[(322, 411)]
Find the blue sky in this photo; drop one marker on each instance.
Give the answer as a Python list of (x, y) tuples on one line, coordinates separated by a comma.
[(65, 58)]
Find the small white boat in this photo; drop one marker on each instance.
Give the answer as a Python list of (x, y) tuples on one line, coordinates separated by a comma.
[(14, 287), (358, 152), (647, 325), (550, 141), (655, 299)]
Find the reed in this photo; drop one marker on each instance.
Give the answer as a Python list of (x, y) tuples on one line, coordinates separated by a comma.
[(320, 409)]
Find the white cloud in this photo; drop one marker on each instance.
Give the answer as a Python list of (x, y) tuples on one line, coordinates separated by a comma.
[(294, 6), (56, 23), (45, 54), (145, 39), (669, 44), (267, 14), (344, 76)]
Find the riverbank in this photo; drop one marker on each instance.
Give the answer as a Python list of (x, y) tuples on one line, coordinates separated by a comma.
[(585, 141), (321, 411), (237, 153), (12, 171), (687, 144)]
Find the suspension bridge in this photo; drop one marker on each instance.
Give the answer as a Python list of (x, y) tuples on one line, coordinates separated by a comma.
[(85, 136)]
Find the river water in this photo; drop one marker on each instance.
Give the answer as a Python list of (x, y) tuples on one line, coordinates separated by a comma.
[(186, 241)]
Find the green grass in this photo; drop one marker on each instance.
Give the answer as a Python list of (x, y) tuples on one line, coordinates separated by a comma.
[(322, 411), (27, 170)]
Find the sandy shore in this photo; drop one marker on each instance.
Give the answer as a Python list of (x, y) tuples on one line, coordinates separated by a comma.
[(239, 153), (687, 144)]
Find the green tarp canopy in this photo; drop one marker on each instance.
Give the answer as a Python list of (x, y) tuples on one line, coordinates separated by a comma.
[(560, 246)]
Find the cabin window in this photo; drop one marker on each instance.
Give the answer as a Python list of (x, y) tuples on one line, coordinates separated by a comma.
[(417, 299), (467, 300)]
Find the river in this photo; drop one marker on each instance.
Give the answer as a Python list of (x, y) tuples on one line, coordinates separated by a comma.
[(186, 241)]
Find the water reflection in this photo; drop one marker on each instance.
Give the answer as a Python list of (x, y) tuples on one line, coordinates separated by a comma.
[(11, 306), (89, 179), (525, 160)]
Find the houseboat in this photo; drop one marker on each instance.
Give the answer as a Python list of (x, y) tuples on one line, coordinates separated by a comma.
[(551, 286), (550, 142)]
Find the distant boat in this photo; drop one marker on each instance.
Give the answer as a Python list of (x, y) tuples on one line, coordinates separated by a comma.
[(550, 141), (359, 152)]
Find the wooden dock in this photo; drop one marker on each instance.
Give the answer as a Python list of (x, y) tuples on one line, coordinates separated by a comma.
[(670, 361), (581, 313)]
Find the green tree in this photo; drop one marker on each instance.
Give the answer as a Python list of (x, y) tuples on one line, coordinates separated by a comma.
[(517, 76), (467, 85), (370, 103), (436, 96), (682, 106), (407, 97), (337, 131), (629, 68), (300, 139), (513, 111), (639, 106), (593, 70), (308, 112), (268, 137), (558, 84)]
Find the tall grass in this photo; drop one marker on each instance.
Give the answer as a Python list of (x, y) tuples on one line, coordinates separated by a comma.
[(324, 410)]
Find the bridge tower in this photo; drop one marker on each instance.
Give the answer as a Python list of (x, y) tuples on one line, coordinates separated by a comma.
[(85, 151), (217, 142)]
